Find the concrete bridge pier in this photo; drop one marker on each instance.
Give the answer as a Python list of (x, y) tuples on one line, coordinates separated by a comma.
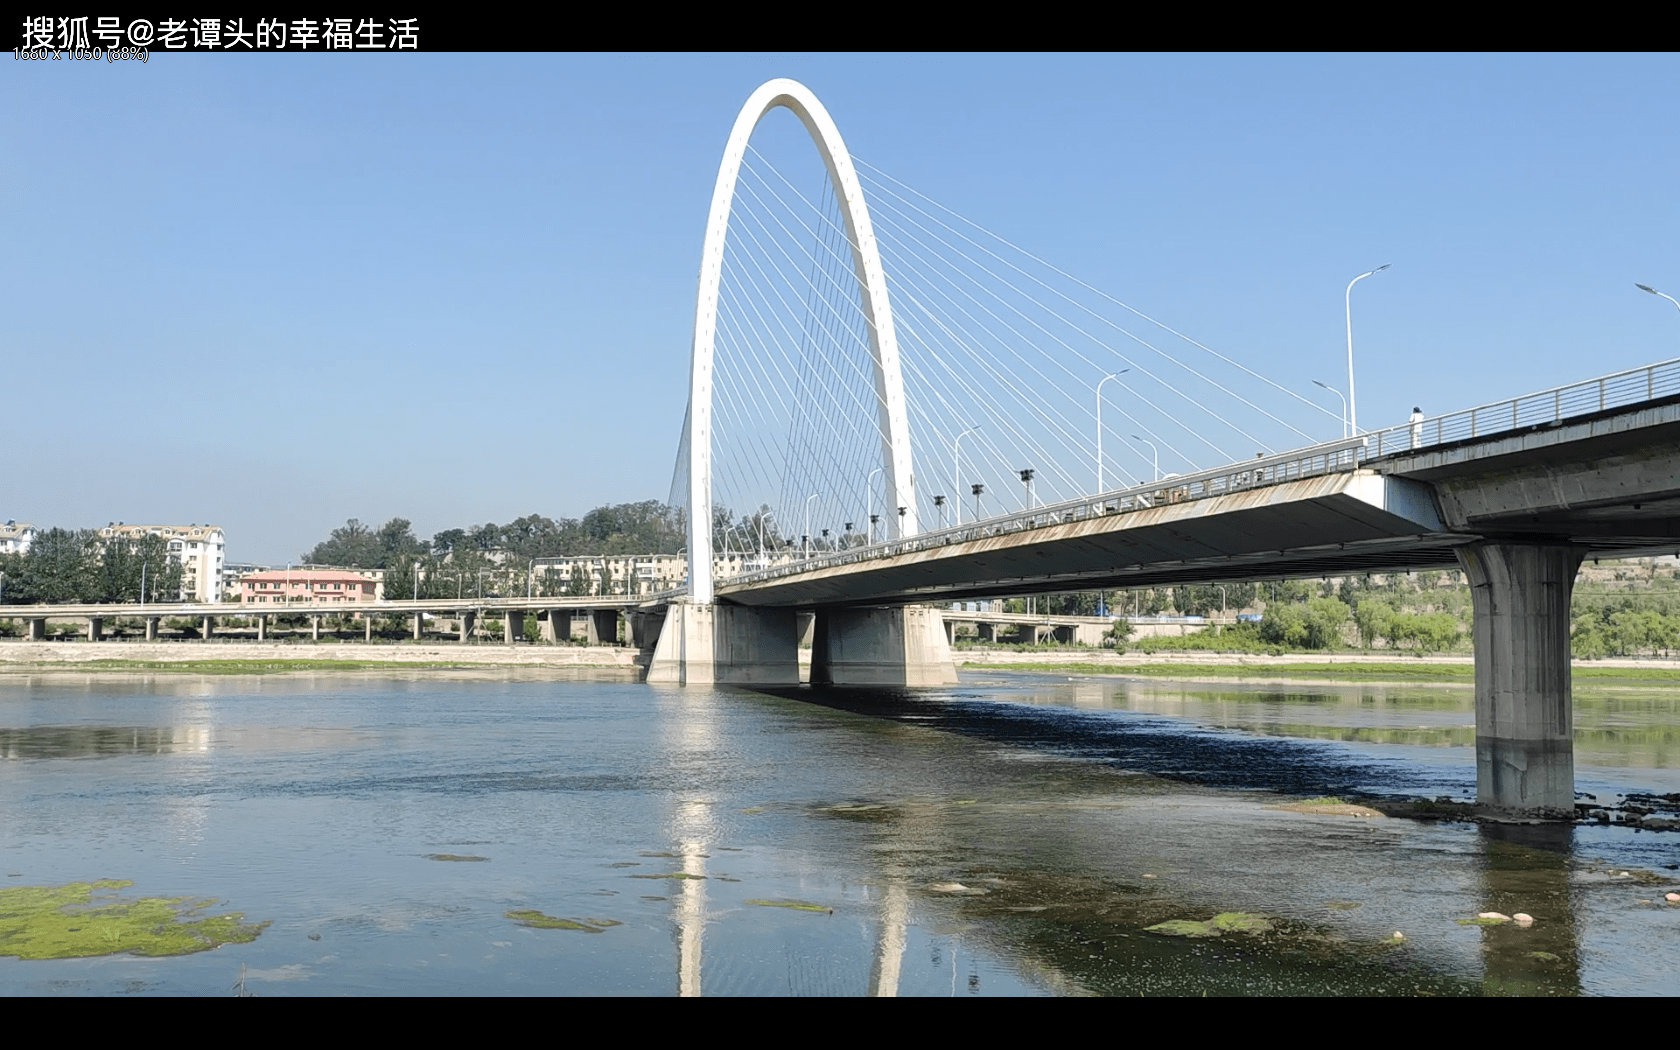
[(96, 628), (714, 643), (884, 646), (315, 628), (467, 620), (209, 627), (603, 627), (644, 628), (152, 628), (367, 627), (419, 625), (262, 627), (37, 628), (1525, 754), (513, 627), (986, 632)]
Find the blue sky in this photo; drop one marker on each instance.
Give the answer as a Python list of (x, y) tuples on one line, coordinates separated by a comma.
[(278, 291)]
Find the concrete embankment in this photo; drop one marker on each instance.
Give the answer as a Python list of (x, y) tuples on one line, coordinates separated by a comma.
[(24, 655)]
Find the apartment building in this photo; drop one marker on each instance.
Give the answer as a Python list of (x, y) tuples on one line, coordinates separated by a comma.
[(280, 586), (16, 536), (200, 549)]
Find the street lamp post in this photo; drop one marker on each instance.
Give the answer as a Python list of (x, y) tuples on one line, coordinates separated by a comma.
[(869, 489), (1155, 452), (939, 504), (805, 540), (1665, 295), (1338, 393), (978, 488), (1026, 479), (1114, 376), (1347, 301), (956, 464)]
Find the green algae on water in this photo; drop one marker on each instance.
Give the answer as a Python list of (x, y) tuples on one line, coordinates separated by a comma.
[(795, 905), (537, 920), (1223, 923), (67, 922)]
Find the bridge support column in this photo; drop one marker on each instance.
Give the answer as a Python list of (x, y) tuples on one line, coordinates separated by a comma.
[(603, 626), (37, 628), (708, 643), (262, 627), (893, 646), (367, 627), (644, 629), (209, 627), (314, 628), (152, 628), (513, 627), (419, 625), (986, 632), (96, 628), (1525, 755), (467, 619)]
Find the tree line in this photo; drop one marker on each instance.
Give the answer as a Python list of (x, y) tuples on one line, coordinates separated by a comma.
[(648, 527), (67, 566)]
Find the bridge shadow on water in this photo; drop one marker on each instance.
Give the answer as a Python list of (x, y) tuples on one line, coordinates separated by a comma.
[(1171, 748)]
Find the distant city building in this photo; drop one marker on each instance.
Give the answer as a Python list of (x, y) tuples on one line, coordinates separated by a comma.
[(16, 536), (232, 572), (647, 573), (376, 575), (280, 586), (199, 547)]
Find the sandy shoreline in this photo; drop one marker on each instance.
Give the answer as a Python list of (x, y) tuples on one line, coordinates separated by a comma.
[(32, 655), (19, 656)]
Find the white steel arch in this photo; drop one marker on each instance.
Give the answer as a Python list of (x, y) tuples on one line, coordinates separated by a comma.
[(866, 264)]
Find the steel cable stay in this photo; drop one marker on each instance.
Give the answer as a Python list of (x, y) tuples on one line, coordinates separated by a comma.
[(888, 193)]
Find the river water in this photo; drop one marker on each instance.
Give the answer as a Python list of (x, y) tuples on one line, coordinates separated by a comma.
[(1013, 835)]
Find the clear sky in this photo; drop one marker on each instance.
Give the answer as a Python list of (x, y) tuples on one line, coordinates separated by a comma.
[(278, 291)]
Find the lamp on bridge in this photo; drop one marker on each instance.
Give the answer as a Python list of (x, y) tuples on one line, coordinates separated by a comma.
[(1338, 393), (1653, 291), (939, 503), (1347, 301), (1026, 479), (874, 520), (978, 487)]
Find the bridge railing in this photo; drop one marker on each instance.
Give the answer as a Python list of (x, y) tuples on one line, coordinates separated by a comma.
[(1263, 471), (1617, 390)]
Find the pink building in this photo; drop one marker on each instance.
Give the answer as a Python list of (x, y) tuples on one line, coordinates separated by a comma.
[(279, 586)]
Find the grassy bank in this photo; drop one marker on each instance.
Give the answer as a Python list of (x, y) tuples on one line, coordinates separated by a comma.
[(1341, 672)]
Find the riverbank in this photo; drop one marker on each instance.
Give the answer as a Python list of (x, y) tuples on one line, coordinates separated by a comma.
[(244, 657), (1357, 667)]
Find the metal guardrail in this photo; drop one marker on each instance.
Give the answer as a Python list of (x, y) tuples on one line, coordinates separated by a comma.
[(1617, 390), (1544, 407)]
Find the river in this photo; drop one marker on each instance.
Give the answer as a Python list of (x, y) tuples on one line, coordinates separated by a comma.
[(401, 831)]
